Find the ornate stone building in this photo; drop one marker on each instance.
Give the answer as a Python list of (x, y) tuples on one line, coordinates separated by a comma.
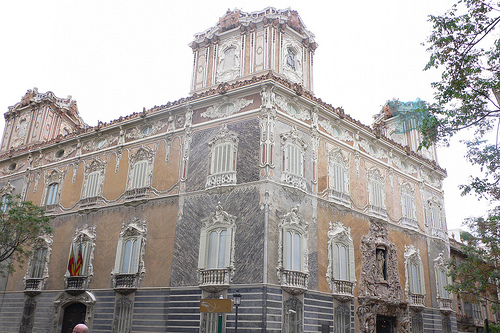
[(251, 183)]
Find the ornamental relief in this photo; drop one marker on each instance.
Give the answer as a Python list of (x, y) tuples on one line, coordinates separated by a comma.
[(44, 241), (136, 227), (12, 167), (224, 135), (150, 128), (338, 233), (293, 137), (292, 107), (292, 60), (226, 107), (372, 149), (334, 128), (100, 142), (403, 164), (59, 154), (219, 218), (7, 189), (229, 60), (292, 221), (21, 130)]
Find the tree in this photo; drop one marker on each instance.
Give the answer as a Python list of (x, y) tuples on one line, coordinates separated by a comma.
[(21, 224), (465, 46)]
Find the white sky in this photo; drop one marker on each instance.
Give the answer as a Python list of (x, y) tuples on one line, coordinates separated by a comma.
[(116, 57)]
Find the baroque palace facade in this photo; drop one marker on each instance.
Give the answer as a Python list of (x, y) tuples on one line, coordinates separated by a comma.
[(251, 183)]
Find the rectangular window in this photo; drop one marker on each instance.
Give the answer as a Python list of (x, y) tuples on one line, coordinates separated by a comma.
[(92, 189), (222, 158), (5, 203), (130, 256), (436, 217), (123, 315), (443, 279), (51, 194), (337, 179), (408, 206), (38, 263), (293, 251), (139, 178), (376, 194), (293, 160), (342, 262), (217, 249), (414, 278)]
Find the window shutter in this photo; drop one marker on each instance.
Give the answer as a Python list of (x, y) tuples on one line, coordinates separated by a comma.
[(136, 254), (92, 185), (352, 267)]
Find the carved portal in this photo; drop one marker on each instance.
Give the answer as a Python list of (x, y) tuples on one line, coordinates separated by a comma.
[(380, 294)]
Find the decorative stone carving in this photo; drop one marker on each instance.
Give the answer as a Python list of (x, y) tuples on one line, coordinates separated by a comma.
[(7, 189), (59, 154), (85, 235), (267, 122), (379, 288), (55, 176), (403, 164), (100, 142), (226, 107), (292, 107), (12, 167), (294, 310), (146, 129), (229, 60), (335, 129), (372, 149), (267, 95), (21, 130), (292, 62)]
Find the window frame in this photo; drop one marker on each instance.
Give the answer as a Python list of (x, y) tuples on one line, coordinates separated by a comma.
[(94, 172), (122, 317), (414, 261), (377, 193), (141, 161), (223, 151), (293, 223), (339, 190), (131, 230)]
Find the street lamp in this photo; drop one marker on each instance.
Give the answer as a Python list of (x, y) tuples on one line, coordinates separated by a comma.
[(237, 302)]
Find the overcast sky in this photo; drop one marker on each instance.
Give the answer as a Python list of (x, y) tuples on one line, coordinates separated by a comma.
[(116, 57)]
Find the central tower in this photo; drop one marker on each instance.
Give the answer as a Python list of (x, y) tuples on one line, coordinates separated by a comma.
[(242, 45)]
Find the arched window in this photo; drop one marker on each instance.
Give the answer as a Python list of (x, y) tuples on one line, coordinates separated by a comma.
[(338, 178), (51, 197), (341, 267), (415, 283), (216, 255), (376, 193)]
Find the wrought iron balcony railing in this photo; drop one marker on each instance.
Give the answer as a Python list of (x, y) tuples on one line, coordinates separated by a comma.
[(125, 283), (33, 285), (75, 285)]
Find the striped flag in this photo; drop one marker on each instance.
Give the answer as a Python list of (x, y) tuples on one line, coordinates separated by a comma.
[(71, 263)]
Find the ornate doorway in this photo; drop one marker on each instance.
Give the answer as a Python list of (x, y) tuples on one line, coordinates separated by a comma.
[(73, 314)]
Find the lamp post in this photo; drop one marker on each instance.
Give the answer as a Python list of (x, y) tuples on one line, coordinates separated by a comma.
[(237, 302)]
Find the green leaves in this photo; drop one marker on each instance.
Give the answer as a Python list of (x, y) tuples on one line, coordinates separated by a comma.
[(21, 224)]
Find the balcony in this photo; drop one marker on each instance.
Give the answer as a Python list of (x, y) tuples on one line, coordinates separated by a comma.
[(293, 180), (465, 320), (444, 304), (410, 223), (33, 286), (214, 280), (416, 300), (51, 209), (342, 290), (90, 202), (293, 282), (224, 179), (339, 197), (137, 193), (378, 211), (75, 285), (125, 283)]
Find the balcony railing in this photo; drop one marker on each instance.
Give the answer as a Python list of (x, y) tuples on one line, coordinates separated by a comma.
[(339, 197), (33, 285), (342, 289), (75, 285), (417, 300), (90, 202), (378, 211), (410, 223), (444, 304), (125, 283), (294, 282), (138, 193), (221, 179), (294, 180), (215, 279)]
